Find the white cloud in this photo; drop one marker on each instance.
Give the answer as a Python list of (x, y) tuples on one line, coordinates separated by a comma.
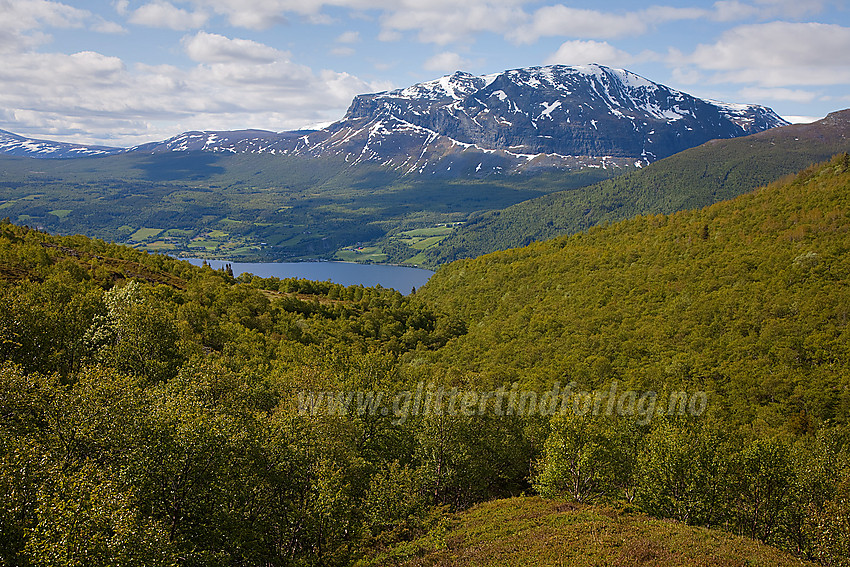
[(789, 8), (581, 52), (348, 37), (161, 14), (776, 54), (24, 22), (214, 48), (793, 95), (445, 62), (446, 21), (344, 41), (390, 35), (105, 26), (436, 21), (732, 10), (91, 97), (736, 10), (34, 14), (560, 20), (260, 14)]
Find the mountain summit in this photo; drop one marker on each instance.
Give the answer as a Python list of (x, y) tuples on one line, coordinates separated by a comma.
[(538, 116), (462, 124)]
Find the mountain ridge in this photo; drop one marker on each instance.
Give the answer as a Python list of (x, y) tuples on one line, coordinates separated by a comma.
[(526, 119), (15, 145)]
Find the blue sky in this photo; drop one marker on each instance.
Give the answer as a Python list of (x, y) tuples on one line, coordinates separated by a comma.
[(131, 71)]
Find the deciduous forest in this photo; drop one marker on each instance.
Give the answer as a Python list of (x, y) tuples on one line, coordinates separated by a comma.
[(151, 411)]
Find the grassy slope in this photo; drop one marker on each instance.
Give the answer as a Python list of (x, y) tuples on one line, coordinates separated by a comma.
[(534, 532), (715, 171)]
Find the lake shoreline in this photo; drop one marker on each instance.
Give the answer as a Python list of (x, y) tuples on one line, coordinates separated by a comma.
[(399, 277)]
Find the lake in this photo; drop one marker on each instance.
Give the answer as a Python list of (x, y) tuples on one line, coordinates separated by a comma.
[(401, 278)]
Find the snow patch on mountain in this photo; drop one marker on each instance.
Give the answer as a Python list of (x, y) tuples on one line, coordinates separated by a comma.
[(15, 145)]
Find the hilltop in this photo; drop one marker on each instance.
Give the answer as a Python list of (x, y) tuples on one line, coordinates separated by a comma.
[(534, 532)]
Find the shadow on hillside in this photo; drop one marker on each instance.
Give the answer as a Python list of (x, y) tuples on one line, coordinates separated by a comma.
[(175, 166)]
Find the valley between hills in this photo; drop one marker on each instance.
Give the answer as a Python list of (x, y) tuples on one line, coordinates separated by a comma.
[(691, 313)]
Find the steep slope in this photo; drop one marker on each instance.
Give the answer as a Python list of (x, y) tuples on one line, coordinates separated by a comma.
[(748, 299), (717, 170), (538, 116)]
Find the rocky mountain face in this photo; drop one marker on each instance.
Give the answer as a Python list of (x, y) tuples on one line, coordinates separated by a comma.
[(524, 119), (539, 116)]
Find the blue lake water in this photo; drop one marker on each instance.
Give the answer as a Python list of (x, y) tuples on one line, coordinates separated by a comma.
[(401, 278)]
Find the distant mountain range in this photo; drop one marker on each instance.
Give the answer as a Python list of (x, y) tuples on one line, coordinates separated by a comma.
[(458, 125), (15, 145)]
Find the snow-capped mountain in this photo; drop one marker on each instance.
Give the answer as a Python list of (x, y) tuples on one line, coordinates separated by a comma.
[(538, 117), (14, 145), (555, 115)]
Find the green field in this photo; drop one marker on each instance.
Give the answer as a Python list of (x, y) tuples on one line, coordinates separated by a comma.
[(145, 234), (361, 254)]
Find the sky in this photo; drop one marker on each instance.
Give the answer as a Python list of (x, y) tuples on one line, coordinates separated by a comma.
[(125, 72)]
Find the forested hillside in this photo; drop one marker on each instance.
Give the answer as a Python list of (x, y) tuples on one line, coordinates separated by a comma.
[(715, 171), (156, 413), (748, 298)]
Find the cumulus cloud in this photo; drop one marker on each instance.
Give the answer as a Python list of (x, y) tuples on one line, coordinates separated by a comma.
[(25, 22), (32, 14), (105, 26), (260, 14), (560, 20), (344, 42), (161, 14), (446, 21), (776, 54), (581, 52), (788, 8), (95, 98), (795, 95), (206, 47), (436, 21), (348, 37), (237, 83), (445, 62)]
